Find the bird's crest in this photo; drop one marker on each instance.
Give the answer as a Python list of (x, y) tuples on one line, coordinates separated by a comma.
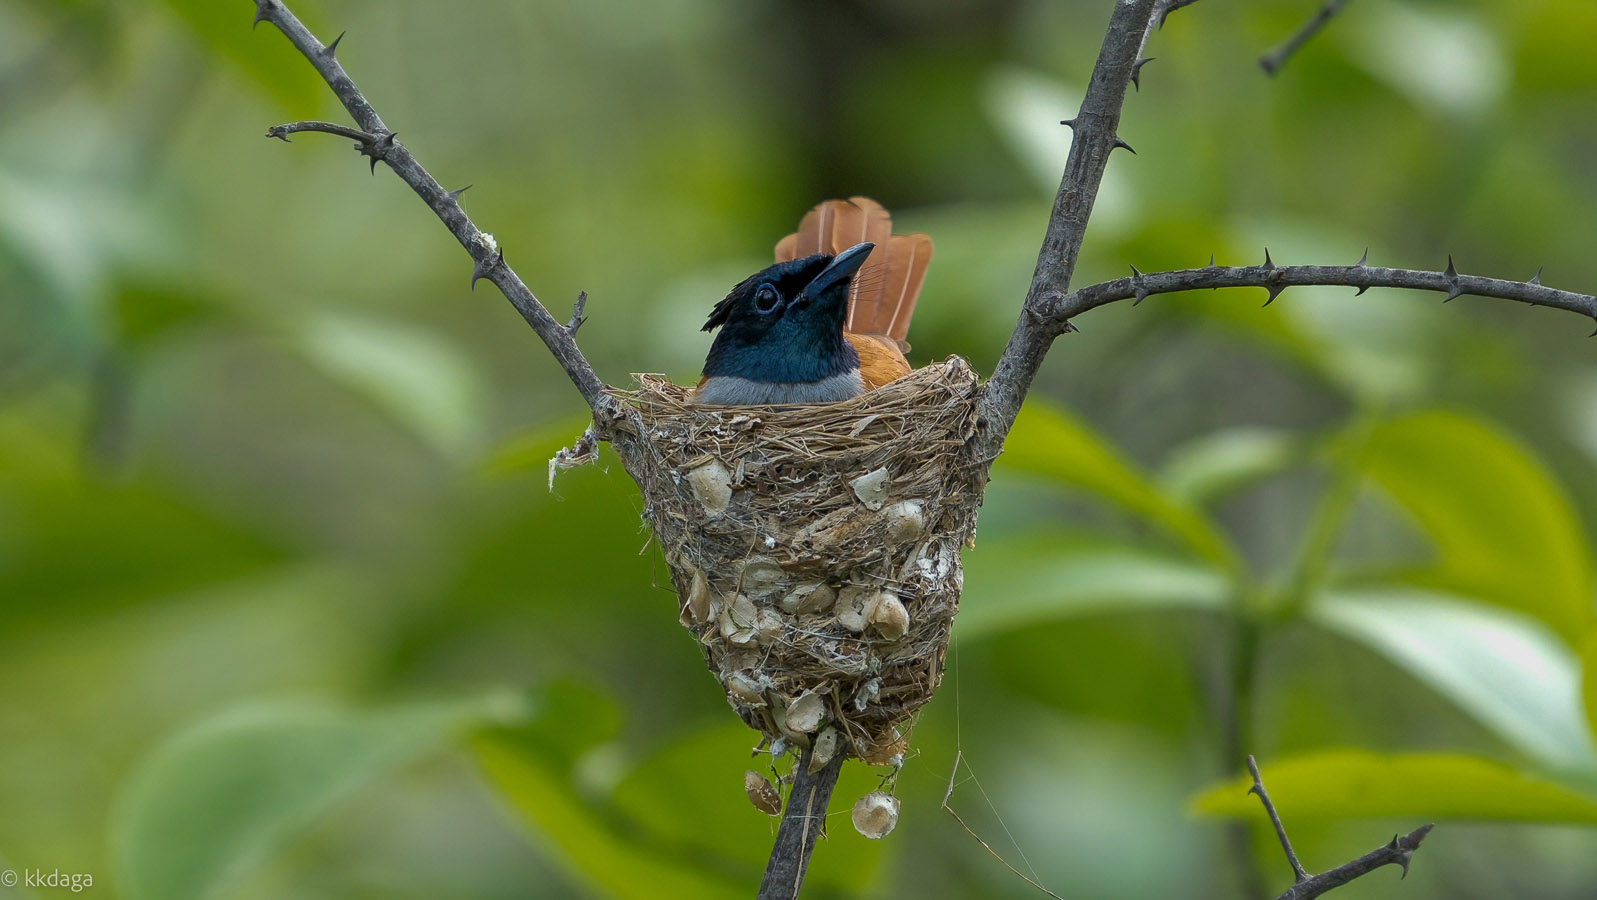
[(882, 299)]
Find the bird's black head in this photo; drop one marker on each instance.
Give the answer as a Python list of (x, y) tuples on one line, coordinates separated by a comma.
[(785, 324)]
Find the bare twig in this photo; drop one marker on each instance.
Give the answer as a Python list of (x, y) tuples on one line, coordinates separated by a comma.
[(577, 318), (1095, 138), (803, 822), (1305, 886), (1272, 62), (1275, 279), (377, 142), (1399, 852), (1299, 873), (281, 132)]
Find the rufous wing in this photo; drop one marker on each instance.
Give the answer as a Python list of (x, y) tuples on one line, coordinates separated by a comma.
[(880, 359), (882, 298)]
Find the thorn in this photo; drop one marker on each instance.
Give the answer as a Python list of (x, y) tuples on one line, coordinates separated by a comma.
[(1451, 274), (483, 267), (331, 50), (1211, 262), (577, 318), (1120, 143), (1403, 856), (1136, 284), (1361, 291), (1537, 278), (1136, 72), (455, 195), (377, 149), (1594, 332), (276, 131), (1364, 260), (263, 12), (1070, 122), (1275, 291), (1069, 327), (1267, 263)]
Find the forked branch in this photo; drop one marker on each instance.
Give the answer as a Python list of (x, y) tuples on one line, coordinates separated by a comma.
[(1305, 886)]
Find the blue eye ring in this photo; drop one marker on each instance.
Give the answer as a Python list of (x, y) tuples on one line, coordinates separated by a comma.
[(767, 299)]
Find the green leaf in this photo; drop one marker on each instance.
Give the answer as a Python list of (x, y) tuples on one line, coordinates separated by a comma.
[(150, 539), (1506, 670), (414, 375), (263, 54), (1020, 582), (1588, 663), (1341, 784), (211, 804), (593, 852), (1048, 442), (145, 314), (1215, 464), (1504, 531)]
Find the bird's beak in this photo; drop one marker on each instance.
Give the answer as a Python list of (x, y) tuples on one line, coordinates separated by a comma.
[(841, 267)]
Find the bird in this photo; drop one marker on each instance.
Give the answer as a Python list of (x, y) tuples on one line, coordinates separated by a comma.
[(827, 321)]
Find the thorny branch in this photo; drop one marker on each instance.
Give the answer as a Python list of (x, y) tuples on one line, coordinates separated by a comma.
[(1272, 62), (1095, 137), (377, 142), (1305, 886), (281, 132), (1274, 279)]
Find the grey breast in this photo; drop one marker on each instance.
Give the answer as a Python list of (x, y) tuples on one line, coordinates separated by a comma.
[(730, 390)]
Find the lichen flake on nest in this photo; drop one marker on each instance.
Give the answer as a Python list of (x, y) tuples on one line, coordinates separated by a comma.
[(815, 549)]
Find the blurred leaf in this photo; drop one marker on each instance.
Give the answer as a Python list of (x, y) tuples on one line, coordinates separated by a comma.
[(1439, 58), (572, 718), (1206, 468), (217, 800), (593, 852), (418, 378), (263, 54), (1504, 531), (703, 772), (1343, 784), (1588, 663), (1506, 670), (1019, 582), (1047, 441), (145, 314), (1132, 666), (67, 541)]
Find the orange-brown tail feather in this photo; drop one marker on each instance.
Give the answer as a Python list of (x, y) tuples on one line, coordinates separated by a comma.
[(885, 289)]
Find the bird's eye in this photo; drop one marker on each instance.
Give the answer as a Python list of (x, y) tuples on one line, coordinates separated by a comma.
[(766, 299)]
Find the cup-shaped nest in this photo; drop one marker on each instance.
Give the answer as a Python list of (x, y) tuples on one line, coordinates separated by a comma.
[(815, 549)]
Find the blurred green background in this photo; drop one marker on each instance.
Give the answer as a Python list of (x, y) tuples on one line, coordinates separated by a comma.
[(288, 609)]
